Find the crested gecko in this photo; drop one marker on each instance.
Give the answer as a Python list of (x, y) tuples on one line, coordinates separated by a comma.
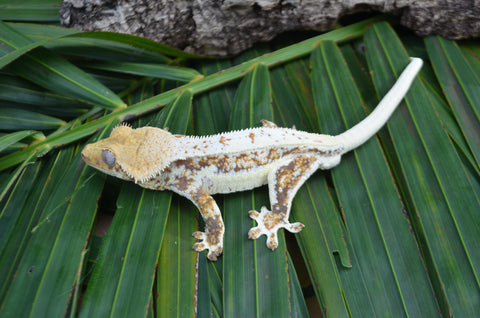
[(197, 167)]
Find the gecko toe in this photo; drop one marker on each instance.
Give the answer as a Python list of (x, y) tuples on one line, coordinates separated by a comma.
[(294, 227), (264, 210), (199, 246), (253, 214), (199, 235), (254, 233), (214, 253), (211, 256), (272, 241)]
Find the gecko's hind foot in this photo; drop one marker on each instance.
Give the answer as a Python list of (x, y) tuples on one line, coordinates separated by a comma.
[(269, 223), (214, 249)]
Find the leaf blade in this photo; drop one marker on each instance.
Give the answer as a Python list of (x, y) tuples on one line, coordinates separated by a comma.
[(428, 161), (51, 71), (461, 87)]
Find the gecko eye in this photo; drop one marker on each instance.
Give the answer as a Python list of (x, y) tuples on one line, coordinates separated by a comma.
[(108, 157)]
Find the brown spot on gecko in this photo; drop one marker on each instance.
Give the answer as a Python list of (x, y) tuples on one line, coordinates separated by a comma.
[(252, 137), (224, 141), (204, 164), (183, 183), (273, 154), (214, 230), (188, 164)]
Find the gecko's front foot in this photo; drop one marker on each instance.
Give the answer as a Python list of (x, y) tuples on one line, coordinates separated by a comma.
[(210, 242), (269, 223)]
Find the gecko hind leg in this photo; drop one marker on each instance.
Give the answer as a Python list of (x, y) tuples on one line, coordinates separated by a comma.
[(212, 238), (283, 184)]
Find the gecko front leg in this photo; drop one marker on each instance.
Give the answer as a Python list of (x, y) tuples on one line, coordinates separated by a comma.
[(283, 183), (212, 238)]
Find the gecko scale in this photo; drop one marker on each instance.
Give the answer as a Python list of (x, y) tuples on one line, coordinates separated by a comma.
[(197, 167)]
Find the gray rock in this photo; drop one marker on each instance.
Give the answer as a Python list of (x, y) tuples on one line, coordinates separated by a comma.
[(210, 27)]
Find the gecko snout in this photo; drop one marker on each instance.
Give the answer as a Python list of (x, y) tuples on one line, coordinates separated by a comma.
[(84, 153), (87, 155)]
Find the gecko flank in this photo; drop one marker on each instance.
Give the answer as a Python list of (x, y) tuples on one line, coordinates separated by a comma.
[(197, 167)]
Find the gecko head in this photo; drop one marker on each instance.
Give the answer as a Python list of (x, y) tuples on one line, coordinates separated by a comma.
[(131, 154)]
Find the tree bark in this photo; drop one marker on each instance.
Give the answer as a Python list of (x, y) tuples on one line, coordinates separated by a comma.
[(209, 27)]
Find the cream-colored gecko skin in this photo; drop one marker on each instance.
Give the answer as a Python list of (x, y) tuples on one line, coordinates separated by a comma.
[(197, 167)]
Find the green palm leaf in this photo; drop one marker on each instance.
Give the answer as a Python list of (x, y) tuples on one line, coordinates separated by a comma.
[(51, 71), (30, 10), (392, 231)]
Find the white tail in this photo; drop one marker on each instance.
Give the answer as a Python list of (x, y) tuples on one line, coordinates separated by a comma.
[(368, 127)]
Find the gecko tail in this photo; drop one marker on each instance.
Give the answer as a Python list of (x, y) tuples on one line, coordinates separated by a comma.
[(368, 127)]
